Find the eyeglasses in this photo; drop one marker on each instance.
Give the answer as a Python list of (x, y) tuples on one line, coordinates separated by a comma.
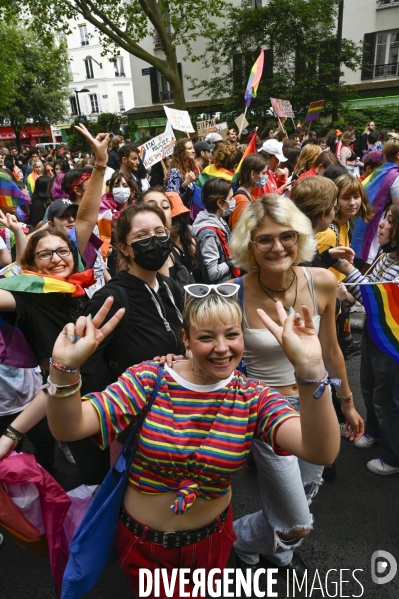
[(47, 255), (162, 236), (265, 243), (201, 290)]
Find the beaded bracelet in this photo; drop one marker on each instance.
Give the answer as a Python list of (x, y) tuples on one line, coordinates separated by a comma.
[(347, 399), (63, 390), (322, 383), (100, 167), (63, 368)]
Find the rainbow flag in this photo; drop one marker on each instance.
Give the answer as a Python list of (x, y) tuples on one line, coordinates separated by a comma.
[(250, 149), (10, 194), (381, 303), (314, 111), (211, 171), (31, 282), (254, 79)]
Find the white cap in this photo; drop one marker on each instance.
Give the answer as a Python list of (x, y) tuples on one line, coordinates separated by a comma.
[(274, 147), (212, 138)]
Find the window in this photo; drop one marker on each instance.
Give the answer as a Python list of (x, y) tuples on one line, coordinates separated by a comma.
[(73, 105), (386, 3), (84, 38), (93, 103), (121, 102), (164, 89), (70, 70), (252, 3), (119, 69), (89, 68), (380, 55), (160, 88)]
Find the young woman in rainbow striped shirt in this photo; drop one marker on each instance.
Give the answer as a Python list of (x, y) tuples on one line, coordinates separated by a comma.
[(379, 373), (199, 430)]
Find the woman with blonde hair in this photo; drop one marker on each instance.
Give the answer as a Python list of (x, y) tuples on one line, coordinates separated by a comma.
[(37, 171), (272, 237), (306, 159), (346, 156)]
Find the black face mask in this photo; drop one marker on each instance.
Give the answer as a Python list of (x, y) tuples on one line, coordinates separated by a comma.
[(153, 255)]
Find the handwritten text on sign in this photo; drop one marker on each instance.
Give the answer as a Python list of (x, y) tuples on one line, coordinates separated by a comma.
[(156, 149)]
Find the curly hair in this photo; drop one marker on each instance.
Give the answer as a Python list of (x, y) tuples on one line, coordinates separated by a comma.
[(280, 210), (223, 155), (180, 159)]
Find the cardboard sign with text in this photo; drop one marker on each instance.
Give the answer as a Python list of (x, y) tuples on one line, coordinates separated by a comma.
[(282, 108), (205, 127), (156, 149), (179, 119)]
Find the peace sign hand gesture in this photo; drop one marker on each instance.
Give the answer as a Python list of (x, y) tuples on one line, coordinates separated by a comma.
[(11, 222), (77, 342), (298, 338), (99, 144)]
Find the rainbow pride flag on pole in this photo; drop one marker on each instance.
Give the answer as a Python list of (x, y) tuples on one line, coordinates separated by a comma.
[(10, 194), (381, 303), (314, 111), (254, 79)]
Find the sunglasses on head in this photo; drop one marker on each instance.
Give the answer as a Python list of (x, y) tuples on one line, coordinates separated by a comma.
[(202, 290)]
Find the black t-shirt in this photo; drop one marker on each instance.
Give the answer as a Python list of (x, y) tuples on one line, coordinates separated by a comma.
[(141, 334), (42, 316)]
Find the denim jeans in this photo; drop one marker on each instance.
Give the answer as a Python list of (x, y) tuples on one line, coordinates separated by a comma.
[(285, 504), (379, 382)]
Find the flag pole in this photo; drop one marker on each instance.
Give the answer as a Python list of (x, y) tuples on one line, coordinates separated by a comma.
[(242, 121), (293, 122)]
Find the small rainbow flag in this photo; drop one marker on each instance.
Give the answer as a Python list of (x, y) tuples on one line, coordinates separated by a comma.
[(10, 194), (32, 282), (381, 303), (250, 149), (314, 111), (254, 79)]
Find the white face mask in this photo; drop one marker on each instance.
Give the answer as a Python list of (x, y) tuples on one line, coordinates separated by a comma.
[(121, 194), (230, 209), (121, 145)]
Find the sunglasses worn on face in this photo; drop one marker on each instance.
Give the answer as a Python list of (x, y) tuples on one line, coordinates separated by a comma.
[(201, 290)]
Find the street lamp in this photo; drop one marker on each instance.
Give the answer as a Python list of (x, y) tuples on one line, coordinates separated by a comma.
[(81, 91)]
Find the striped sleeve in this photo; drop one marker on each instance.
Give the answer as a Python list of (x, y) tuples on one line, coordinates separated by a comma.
[(120, 402), (386, 269), (273, 410), (355, 276)]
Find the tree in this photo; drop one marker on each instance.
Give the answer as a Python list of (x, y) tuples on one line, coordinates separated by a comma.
[(300, 44), (126, 24), (37, 79)]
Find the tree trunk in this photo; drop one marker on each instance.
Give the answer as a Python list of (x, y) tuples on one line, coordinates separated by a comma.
[(17, 137)]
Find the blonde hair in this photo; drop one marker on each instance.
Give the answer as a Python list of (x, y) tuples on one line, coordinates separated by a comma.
[(282, 211), (213, 308), (391, 149), (307, 158)]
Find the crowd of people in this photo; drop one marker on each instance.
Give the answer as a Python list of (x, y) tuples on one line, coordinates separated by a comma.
[(110, 273)]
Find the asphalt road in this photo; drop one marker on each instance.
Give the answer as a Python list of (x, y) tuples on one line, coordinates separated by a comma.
[(355, 516)]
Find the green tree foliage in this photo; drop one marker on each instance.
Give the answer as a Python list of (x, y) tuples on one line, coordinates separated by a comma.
[(106, 122), (126, 24), (36, 80), (299, 38), (385, 117)]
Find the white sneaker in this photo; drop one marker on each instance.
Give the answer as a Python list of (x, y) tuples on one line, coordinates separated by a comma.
[(67, 453), (378, 466), (365, 441)]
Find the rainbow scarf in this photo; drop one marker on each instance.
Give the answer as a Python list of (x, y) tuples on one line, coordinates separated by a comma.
[(250, 149), (32, 282), (254, 79), (377, 187), (381, 303), (10, 194)]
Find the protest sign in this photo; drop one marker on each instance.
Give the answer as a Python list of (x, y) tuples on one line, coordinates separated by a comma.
[(220, 126), (179, 119), (205, 127), (241, 122), (156, 149), (282, 108)]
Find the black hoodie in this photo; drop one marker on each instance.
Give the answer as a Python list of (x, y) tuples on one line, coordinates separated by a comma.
[(141, 335)]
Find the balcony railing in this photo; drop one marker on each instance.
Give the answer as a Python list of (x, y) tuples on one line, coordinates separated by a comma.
[(166, 96), (387, 3), (386, 70)]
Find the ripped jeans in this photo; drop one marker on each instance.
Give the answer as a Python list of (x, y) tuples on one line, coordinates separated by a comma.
[(285, 504)]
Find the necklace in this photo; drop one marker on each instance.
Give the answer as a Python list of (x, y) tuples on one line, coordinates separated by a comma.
[(283, 289), (261, 285), (204, 376)]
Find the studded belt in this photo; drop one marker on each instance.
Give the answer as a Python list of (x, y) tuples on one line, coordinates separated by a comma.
[(173, 539)]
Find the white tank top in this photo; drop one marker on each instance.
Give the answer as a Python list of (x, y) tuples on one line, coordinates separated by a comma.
[(264, 357)]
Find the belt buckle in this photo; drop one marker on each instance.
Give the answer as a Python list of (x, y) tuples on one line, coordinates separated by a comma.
[(165, 538)]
